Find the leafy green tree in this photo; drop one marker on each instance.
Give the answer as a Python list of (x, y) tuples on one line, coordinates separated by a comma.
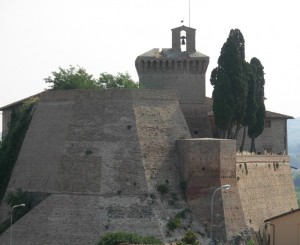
[(78, 78), (231, 72), (122, 80), (71, 78), (255, 129)]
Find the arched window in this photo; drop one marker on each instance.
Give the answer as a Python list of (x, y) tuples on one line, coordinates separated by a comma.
[(183, 41)]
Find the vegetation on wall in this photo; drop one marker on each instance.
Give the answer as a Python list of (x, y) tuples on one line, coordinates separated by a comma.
[(176, 222), (190, 237), (78, 78), (116, 238), (11, 144), (238, 95)]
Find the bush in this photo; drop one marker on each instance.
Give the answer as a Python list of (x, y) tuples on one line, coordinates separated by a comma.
[(190, 238), (115, 238), (174, 223)]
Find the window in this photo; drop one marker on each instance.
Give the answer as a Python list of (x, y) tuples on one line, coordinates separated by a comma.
[(267, 123)]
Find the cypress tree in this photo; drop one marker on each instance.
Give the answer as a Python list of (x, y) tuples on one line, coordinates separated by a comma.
[(254, 130), (252, 106), (230, 76)]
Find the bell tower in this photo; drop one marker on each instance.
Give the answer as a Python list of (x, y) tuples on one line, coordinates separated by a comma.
[(179, 68), (184, 36)]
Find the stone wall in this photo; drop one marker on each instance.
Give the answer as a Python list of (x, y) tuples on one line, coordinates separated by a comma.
[(272, 140), (207, 164), (99, 155), (261, 185), (265, 186)]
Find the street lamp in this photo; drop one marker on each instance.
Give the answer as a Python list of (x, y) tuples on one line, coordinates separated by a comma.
[(226, 187), (11, 219)]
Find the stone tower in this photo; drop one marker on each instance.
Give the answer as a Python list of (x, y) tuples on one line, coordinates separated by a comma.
[(180, 68)]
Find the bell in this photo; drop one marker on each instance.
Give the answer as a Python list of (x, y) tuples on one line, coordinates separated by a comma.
[(183, 40)]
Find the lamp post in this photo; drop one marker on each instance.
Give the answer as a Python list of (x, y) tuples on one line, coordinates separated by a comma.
[(226, 187), (11, 219)]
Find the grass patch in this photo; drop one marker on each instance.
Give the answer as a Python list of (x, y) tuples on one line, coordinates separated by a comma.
[(115, 238)]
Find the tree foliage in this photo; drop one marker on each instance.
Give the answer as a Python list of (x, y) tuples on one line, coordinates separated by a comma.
[(238, 95), (257, 127), (122, 80), (71, 78), (230, 85), (78, 78)]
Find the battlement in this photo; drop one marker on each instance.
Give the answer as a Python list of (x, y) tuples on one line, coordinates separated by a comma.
[(171, 66)]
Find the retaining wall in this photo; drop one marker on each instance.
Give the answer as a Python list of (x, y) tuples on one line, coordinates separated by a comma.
[(99, 155), (265, 186)]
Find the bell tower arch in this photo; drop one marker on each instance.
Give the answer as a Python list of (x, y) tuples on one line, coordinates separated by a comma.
[(189, 38)]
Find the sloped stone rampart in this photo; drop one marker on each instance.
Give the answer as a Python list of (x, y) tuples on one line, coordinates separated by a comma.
[(82, 219), (266, 187), (99, 154)]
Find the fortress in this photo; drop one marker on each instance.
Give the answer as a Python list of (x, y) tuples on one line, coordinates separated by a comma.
[(99, 156)]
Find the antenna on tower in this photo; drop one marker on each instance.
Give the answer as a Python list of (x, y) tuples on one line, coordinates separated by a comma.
[(189, 13)]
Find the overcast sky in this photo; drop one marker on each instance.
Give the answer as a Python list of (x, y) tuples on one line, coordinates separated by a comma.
[(38, 36)]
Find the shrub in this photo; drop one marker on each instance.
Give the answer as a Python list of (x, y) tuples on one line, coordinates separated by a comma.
[(174, 223), (115, 238), (190, 238)]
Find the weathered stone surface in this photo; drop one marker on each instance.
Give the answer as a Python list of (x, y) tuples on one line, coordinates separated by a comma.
[(266, 187), (99, 154)]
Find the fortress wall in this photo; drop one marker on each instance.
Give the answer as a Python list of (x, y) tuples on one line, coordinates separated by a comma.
[(82, 219), (76, 139), (207, 164), (266, 187), (98, 154), (197, 120), (159, 125)]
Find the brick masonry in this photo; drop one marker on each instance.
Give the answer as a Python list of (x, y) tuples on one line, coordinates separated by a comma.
[(261, 185), (101, 154)]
